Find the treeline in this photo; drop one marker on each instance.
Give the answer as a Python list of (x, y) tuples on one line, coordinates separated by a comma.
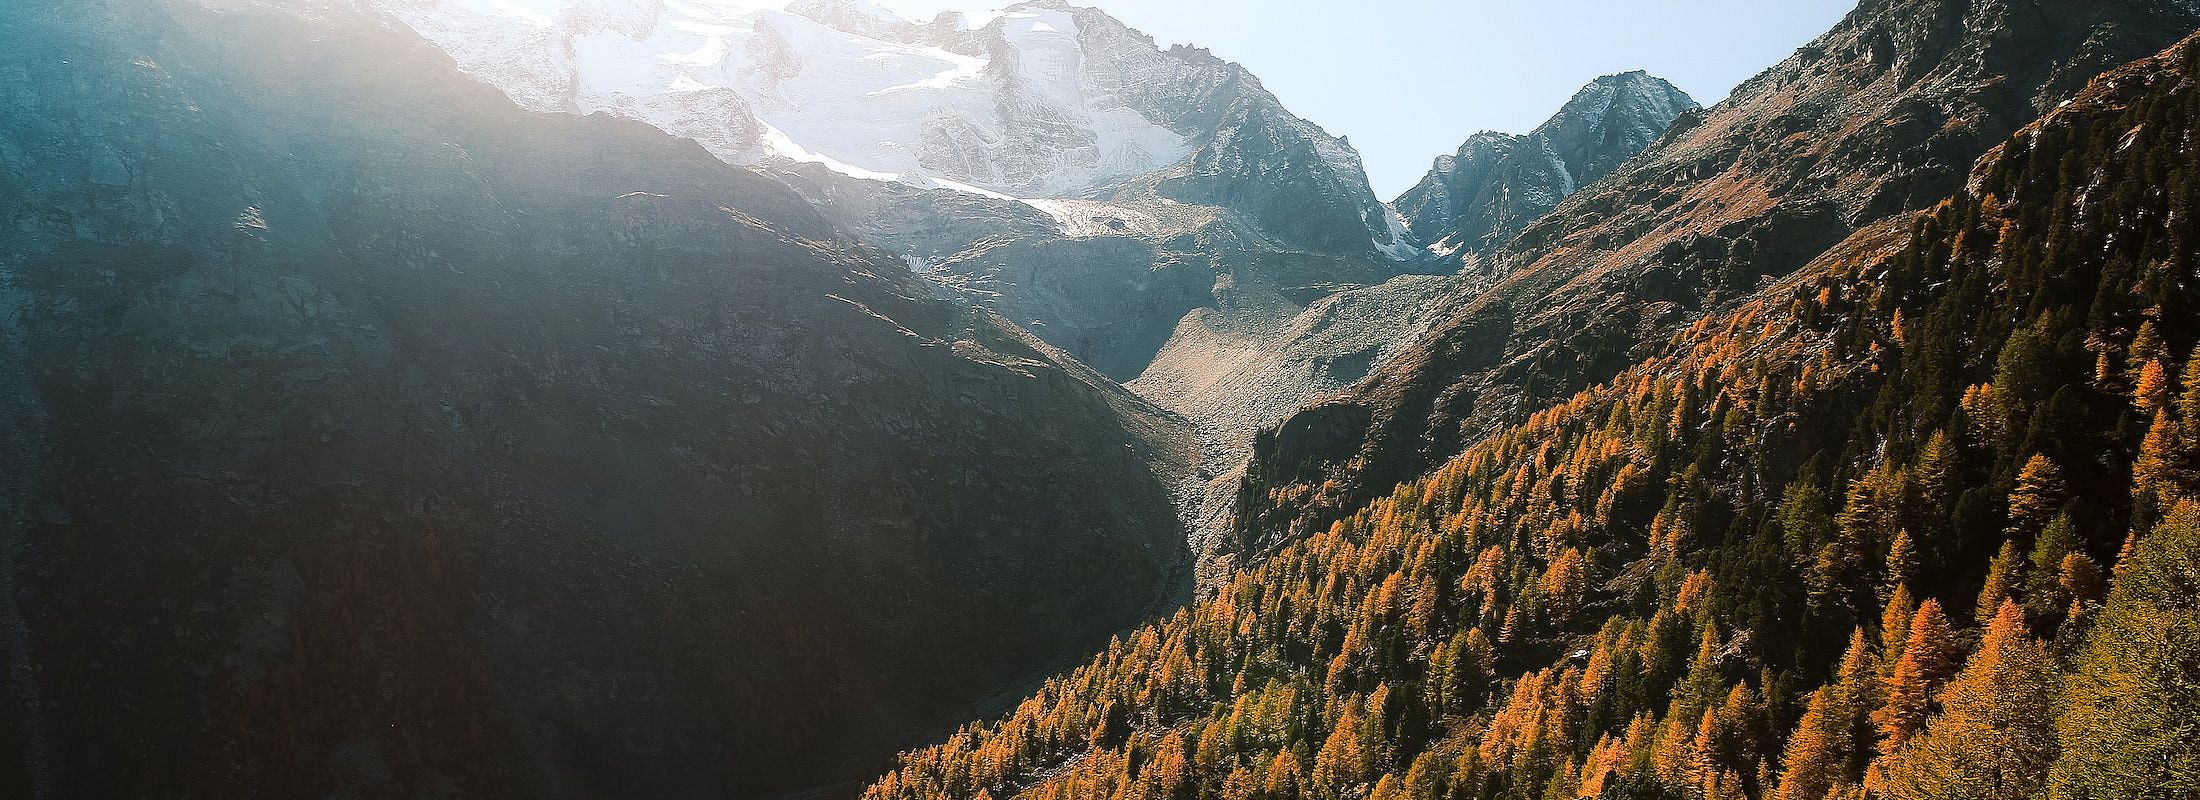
[(1921, 521)]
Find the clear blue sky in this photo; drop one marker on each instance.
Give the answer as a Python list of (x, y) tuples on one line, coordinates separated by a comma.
[(1408, 80)]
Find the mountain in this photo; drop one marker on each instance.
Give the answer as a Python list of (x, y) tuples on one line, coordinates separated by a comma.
[(1915, 520), (1153, 212), (1130, 204), (1477, 199), (362, 434), (1873, 119), (842, 83), (1235, 379), (1041, 100)]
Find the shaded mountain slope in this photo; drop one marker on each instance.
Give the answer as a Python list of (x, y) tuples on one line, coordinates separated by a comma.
[(365, 434)]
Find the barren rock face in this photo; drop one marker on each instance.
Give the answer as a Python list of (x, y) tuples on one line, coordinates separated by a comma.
[(361, 430), (1476, 200), (1875, 118)]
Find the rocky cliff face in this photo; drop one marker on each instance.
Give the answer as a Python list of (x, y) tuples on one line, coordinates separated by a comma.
[(364, 434), (1878, 116), (1475, 200)]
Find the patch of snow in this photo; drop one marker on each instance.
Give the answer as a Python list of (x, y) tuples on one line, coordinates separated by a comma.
[(786, 148), (943, 183), (1399, 246)]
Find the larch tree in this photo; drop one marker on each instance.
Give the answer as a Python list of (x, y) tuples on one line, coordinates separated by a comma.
[(2044, 595), (2001, 580), (2146, 346), (2081, 580), (1928, 659), (1936, 471), (2151, 393), (2188, 414), (1814, 766), (1901, 560), (1994, 738), (1285, 779), (1343, 760), (2155, 474), (2038, 495), (1894, 625), (2130, 726)]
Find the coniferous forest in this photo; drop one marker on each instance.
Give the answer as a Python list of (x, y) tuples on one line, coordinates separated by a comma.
[(1921, 520)]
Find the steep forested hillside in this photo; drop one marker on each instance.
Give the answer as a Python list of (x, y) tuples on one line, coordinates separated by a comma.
[(1878, 118), (1920, 520)]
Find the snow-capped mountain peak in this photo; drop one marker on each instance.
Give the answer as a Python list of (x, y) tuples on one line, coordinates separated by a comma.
[(1039, 100), (1004, 107)]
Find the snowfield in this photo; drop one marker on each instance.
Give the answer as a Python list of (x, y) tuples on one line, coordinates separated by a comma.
[(841, 83)]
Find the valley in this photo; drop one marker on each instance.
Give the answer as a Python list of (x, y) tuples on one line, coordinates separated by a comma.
[(717, 398)]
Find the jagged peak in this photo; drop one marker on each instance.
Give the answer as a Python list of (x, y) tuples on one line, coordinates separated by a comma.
[(1505, 180), (1637, 82)]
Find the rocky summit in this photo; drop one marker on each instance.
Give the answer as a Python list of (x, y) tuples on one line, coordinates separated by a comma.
[(1477, 199)]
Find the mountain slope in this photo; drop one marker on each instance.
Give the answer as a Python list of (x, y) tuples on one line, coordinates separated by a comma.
[(1140, 208), (1479, 198), (1264, 213), (1234, 377), (1827, 541), (1873, 118), (366, 435)]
